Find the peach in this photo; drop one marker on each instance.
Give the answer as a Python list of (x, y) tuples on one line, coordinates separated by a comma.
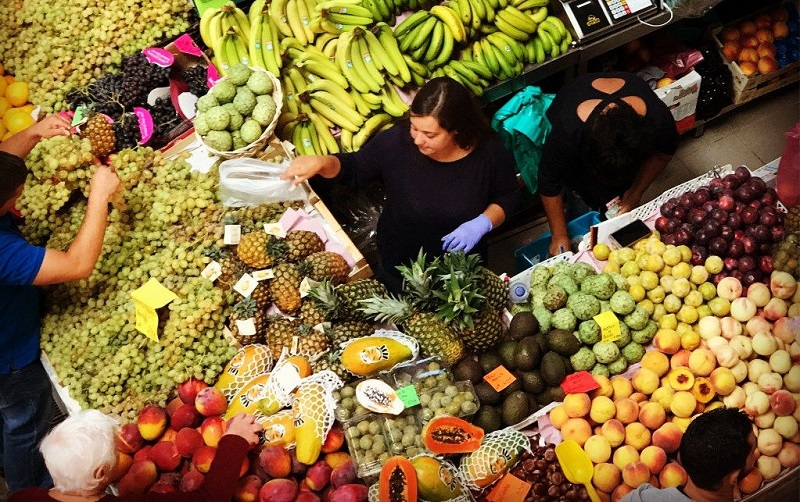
[(171, 407), (748, 68), (635, 474), (769, 442), (627, 410), (735, 399), (683, 404), (682, 423), (152, 422), (782, 284), (247, 489), (786, 426), (212, 430), (680, 359), (789, 456), (768, 466), (656, 362), (729, 33), (654, 457), (723, 381), (185, 416), (786, 328), (776, 308), (275, 461), (337, 459), (128, 439), (203, 457), (681, 379), (334, 440), (620, 492), (577, 429), (169, 435), (577, 405), (690, 340), (645, 381), (625, 455), (637, 435), (663, 396), (142, 453), (307, 496), (782, 402), (605, 389), (606, 477), (702, 362), (652, 415), (622, 387), (558, 416), (602, 410), (739, 371), (349, 493), (638, 398), (165, 455), (765, 421), (729, 288), (780, 30), (770, 382), (751, 482), (210, 402), (140, 477), (672, 475), (614, 432), (667, 341), (187, 391), (278, 490), (318, 475), (192, 480), (344, 474), (703, 390), (598, 449), (730, 327), (188, 441)]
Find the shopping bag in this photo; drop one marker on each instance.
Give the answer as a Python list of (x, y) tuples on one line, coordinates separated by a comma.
[(523, 126), (252, 182)]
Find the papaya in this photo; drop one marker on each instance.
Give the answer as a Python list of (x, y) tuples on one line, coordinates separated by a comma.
[(302, 365), (371, 354), (498, 452), (446, 434), (247, 398), (278, 429), (251, 360), (309, 417), (435, 481), (398, 481)]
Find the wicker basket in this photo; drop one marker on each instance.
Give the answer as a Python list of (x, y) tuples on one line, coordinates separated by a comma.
[(259, 144)]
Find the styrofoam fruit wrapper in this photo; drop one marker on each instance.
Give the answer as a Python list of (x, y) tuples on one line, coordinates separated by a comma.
[(314, 401), (250, 361), (497, 454), (284, 379)]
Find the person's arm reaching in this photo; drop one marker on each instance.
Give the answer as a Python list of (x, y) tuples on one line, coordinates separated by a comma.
[(23, 142), (554, 209), (469, 233), (79, 260), (651, 168), (307, 166)]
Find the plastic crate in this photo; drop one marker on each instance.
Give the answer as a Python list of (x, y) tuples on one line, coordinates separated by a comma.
[(536, 251)]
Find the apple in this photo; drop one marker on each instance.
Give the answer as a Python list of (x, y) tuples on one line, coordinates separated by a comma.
[(729, 288)]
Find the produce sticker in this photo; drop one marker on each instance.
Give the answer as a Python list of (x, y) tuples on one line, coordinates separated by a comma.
[(510, 487), (146, 299), (499, 378), (609, 325)]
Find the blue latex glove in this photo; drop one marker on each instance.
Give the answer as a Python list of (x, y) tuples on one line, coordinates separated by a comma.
[(467, 234)]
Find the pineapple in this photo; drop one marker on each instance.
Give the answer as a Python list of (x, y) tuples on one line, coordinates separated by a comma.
[(351, 293), (280, 333), (297, 338), (493, 288), (330, 361), (243, 310), (418, 282), (486, 332), (259, 249), (310, 342), (232, 268), (323, 296), (100, 134), (301, 243), (344, 331), (311, 313), (325, 264), (261, 295), (285, 287), (435, 336)]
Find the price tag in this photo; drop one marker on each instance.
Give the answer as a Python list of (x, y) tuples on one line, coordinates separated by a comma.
[(159, 57), (146, 299), (581, 381), (233, 233), (212, 271), (287, 377), (510, 487), (245, 285), (186, 44), (263, 275), (306, 285), (212, 75), (408, 395), (499, 378), (246, 327), (275, 229), (146, 127), (609, 325)]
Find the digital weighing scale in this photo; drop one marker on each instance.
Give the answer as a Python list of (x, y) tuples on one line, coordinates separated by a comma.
[(590, 19)]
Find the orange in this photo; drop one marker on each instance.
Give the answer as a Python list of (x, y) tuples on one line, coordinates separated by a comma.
[(9, 79), (17, 93), (4, 106), (16, 120)]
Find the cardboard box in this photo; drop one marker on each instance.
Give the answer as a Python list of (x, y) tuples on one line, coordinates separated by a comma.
[(681, 98)]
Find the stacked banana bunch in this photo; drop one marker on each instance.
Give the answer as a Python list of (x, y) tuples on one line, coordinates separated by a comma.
[(226, 30)]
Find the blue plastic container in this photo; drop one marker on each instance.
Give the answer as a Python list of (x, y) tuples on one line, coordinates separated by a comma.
[(538, 250)]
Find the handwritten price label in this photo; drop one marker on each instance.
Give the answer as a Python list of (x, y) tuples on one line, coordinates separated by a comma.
[(151, 296), (145, 123), (499, 378), (186, 44), (509, 488), (609, 326), (581, 381), (408, 395)]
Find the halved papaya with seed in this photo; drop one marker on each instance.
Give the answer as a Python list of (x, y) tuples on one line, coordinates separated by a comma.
[(398, 481), (446, 434)]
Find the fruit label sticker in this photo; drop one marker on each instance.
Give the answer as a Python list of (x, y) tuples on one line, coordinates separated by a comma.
[(212, 271), (581, 381), (146, 299), (287, 378), (275, 229), (233, 233), (159, 57), (186, 44), (306, 285), (145, 123), (408, 395), (609, 325), (263, 275), (499, 378), (212, 77), (510, 487), (246, 327), (245, 285)]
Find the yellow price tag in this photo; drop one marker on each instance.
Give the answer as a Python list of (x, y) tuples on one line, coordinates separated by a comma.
[(151, 296), (609, 325)]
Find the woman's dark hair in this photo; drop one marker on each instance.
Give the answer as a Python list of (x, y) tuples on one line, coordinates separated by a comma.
[(455, 108), (714, 445), (12, 175), (614, 143)]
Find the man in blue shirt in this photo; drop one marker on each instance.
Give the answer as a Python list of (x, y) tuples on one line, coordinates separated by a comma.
[(25, 392)]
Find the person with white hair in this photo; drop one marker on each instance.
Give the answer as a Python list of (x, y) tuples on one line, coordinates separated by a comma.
[(81, 455)]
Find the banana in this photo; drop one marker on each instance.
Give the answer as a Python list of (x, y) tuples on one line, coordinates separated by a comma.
[(530, 51), (373, 100), (322, 40), (383, 11), (298, 80), (446, 50), (255, 43), (205, 26), (490, 57), (538, 46), (323, 133), (391, 102), (518, 19), (509, 29), (547, 40), (346, 140), (463, 70), (277, 11), (341, 107), (243, 22), (348, 19), (410, 23), (416, 67), (552, 29), (555, 50), (346, 64), (479, 69), (494, 4), (317, 145), (491, 11), (333, 115), (478, 9), (361, 51), (361, 105), (531, 4), (330, 48), (435, 42), (256, 7), (379, 54), (416, 38), (508, 43), (370, 128), (324, 71), (295, 23), (540, 14), (305, 20), (501, 4), (351, 9), (503, 59), (290, 95), (220, 52), (503, 50), (270, 47), (451, 19), (327, 4), (559, 24), (389, 44), (465, 12)]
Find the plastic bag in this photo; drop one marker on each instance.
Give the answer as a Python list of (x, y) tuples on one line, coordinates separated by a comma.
[(788, 182), (691, 8), (523, 126), (251, 182)]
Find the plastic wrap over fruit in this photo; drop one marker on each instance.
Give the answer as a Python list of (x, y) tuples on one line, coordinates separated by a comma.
[(251, 360), (497, 454), (313, 409), (378, 352)]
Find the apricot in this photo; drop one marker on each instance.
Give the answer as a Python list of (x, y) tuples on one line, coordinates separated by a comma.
[(606, 477), (622, 387), (627, 410), (620, 492), (654, 458), (614, 432), (683, 404), (667, 341), (645, 381), (652, 415), (663, 396), (598, 449), (767, 64), (605, 389), (703, 390), (656, 362), (729, 33), (672, 475), (702, 362), (635, 474), (730, 50), (625, 455), (602, 409), (577, 405), (747, 28), (780, 30), (576, 429), (723, 381), (637, 435), (681, 379), (558, 416), (680, 359), (748, 68)]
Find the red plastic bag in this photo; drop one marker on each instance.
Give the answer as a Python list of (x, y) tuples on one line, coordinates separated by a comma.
[(789, 169)]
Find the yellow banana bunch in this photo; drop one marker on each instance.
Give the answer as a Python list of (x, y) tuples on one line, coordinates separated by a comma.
[(339, 16), (216, 22), (394, 58), (229, 50), (264, 47)]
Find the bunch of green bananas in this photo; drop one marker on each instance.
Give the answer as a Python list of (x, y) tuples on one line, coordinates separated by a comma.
[(227, 31), (431, 37), (264, 43)]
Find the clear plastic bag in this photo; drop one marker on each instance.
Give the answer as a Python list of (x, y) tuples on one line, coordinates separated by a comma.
[(252, 182)]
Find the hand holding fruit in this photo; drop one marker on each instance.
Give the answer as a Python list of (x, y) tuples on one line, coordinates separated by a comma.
[(52, 125), (245, 426), (104, 183)]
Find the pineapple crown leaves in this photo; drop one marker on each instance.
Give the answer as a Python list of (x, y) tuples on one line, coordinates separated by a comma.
[(418, 282), (246, 308), (461, 302), (276, 247), (324, 296), (389, 308)]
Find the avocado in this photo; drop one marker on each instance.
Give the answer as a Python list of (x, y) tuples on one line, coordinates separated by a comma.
[(543, 398), (552, 369), (508, 351), (532, 381), (488, 419), (528, 354), (532, 404), (515, 408), (563, 342), (567, 365), (522, 324), (514, 386), (557, 393), (468, 369), (486, 394), (489, 361), (541, 339)]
